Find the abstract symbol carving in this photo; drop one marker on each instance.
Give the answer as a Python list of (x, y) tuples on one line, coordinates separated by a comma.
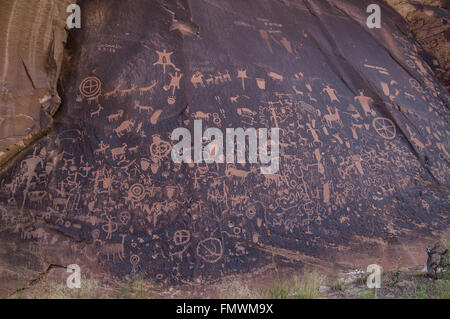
[(90, 87), (159, 148), (134, 260), (210, 250), (110, 227), (124, 217), (251, 211), (181, 237), (416, 85), (242, 74), (137, 192), (384, 127)]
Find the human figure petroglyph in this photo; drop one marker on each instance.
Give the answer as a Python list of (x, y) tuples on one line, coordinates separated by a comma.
[(103, 147), (331, 93), (164, 59), (364, 102), (312, 129), (174, 82)]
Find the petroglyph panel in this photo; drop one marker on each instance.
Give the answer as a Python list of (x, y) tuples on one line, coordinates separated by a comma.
[(362, 138)]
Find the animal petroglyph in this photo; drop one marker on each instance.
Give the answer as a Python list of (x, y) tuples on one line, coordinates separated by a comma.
[(119, 152), (149, 88), (114, 92), (97, 112), (142, 107), (115, 116), (197, 79), (124, 127), (333, 117), (115, 250), (124, 92)]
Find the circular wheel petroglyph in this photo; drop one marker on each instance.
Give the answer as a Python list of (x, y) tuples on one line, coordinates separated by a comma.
[(181, 237), (160, 149), (137, 191), (384, 127), (90, 87), (210, 250)]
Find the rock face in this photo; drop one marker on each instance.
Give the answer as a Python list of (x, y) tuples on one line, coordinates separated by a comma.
[(32, 40), (363, 134), (428, 20)]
